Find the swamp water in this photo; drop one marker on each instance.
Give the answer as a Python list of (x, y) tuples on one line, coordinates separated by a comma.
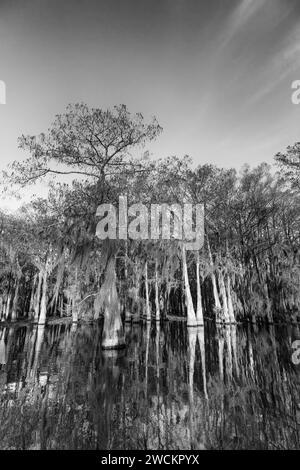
[(232, 387)]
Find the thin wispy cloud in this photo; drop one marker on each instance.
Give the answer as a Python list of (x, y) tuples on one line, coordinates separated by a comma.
[(239, 17), (284, 63)]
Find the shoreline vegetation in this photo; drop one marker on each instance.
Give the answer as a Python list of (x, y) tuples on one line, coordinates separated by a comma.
[(53, 268), (168, 318)]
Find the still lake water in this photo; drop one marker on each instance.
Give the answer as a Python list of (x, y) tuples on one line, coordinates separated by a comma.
[(172, 388)]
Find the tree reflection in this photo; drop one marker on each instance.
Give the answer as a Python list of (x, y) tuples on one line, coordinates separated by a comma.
[(173, 388)]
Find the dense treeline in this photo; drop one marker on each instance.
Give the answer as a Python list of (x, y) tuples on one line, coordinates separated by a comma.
[(52, 263)]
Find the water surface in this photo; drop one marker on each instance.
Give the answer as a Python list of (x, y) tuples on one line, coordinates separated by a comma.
[(172, 388)]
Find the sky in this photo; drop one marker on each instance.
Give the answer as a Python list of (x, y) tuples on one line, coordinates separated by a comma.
[(217, 74)]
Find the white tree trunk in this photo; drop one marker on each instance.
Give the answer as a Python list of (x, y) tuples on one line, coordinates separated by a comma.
[(224, 298), (148, 310), (75, 313), (8, 306), (157, 307), (191, 316), (31, 304), (199, 313), (2, 347), (213, 279), (43, 311), (113, 333), (37, 298)]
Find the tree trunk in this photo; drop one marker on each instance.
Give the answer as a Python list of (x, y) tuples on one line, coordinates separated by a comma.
[(75, 299), (15, 302), (199, 313), (37, 298), (69, 305), (43, 312), (213, 279), (148, 310), (113, 334), (31, 304), (191, 317), (157, 308), (8, 306), (61, 306), (136, 290), (2, 348), (75, 312), (224, 298)]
